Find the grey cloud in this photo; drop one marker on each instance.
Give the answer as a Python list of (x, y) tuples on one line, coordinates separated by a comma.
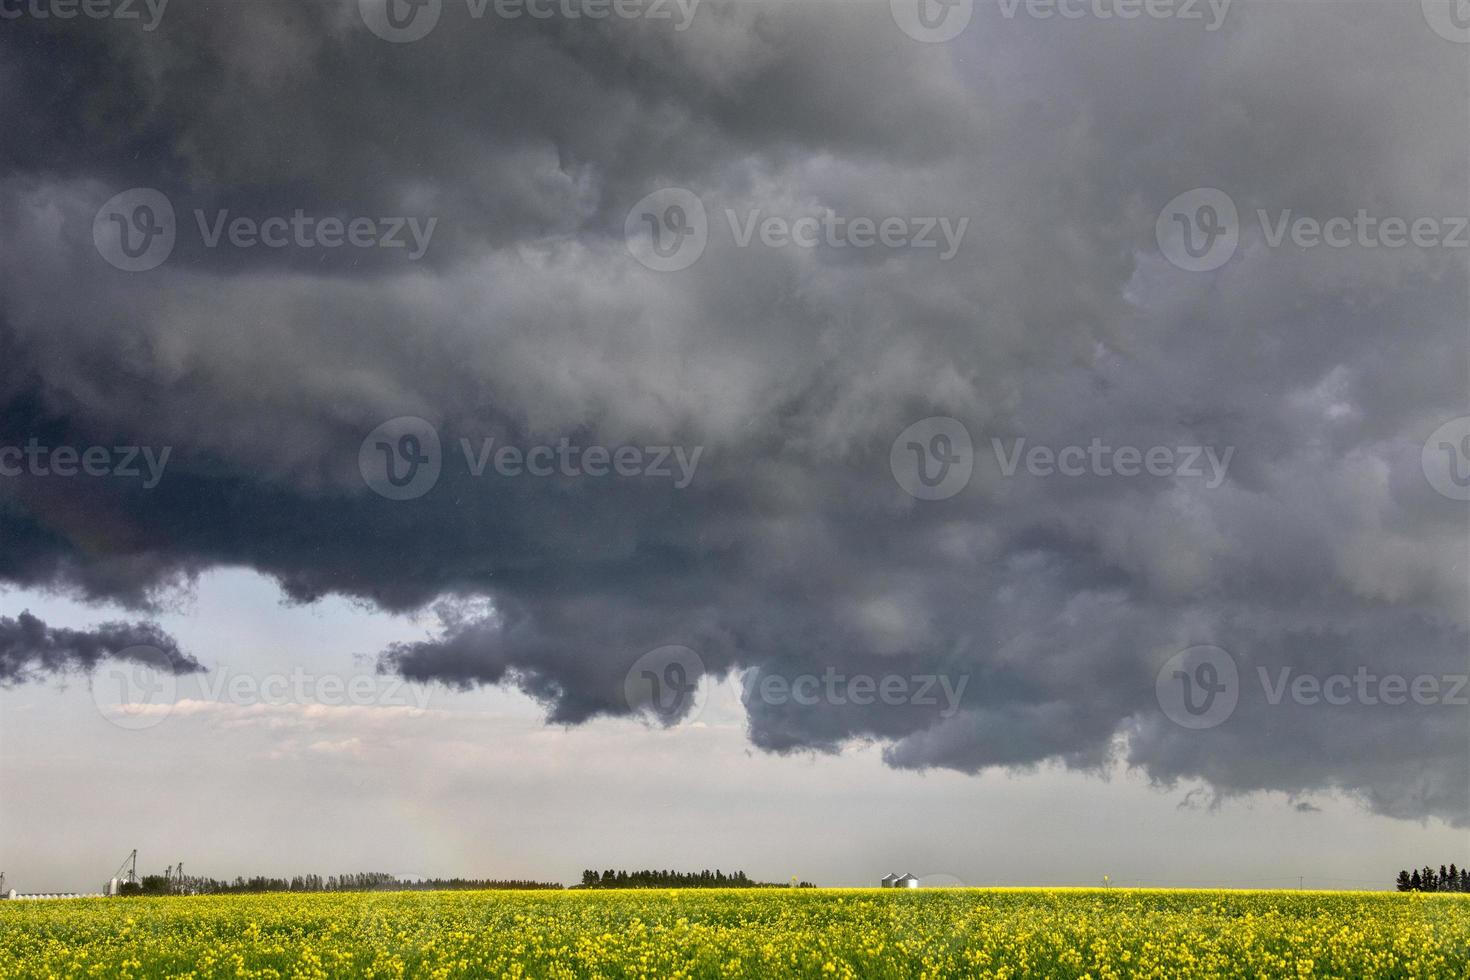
[(793, 550), (30, 649)]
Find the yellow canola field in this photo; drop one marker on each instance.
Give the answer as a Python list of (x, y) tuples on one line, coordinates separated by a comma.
[(746, 933)]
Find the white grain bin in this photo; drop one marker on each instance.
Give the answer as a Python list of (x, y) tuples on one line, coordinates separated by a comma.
[(906, 881), (888, 880)]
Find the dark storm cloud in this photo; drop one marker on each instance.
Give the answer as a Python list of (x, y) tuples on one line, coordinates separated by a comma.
[(792, 550), (29, 649)]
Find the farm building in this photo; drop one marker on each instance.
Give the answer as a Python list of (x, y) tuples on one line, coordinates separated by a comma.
[(899, 881)]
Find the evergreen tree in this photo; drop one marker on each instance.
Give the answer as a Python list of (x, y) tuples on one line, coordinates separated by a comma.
[(1404, 882)]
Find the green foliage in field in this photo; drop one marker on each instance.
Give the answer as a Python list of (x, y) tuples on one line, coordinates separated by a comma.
[(746, 933)]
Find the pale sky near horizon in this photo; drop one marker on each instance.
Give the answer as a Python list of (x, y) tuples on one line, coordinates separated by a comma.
[(427, 782)]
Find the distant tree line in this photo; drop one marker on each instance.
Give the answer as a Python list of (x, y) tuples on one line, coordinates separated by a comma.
[(370, 881), (676, 879), (1449, 879)]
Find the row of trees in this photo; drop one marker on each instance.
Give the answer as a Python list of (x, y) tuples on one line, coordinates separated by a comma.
[(677, 879), (1449, 879), (370, 881)]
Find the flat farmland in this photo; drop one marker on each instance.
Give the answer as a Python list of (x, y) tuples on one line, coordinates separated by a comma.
[(746, 933)]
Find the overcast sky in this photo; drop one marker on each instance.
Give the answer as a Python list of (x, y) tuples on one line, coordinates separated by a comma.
[(1004, 442)]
